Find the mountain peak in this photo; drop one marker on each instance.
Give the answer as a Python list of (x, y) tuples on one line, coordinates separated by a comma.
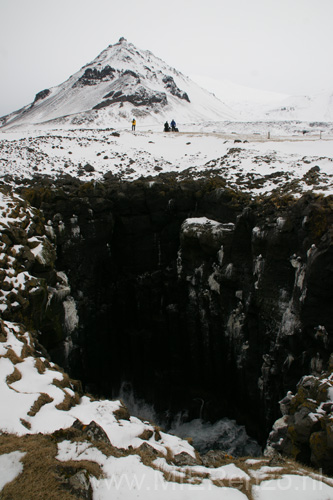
[(121, 82)]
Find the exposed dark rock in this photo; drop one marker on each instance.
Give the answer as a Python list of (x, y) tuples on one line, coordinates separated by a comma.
[(110, 176), (312, 175), (277, 461), (93, 431), (41, 95), (184, 458), (171, 86), (89, 168), (305, 431), (215, 458), (114, 94), (131, 73), (141, 97), (93, 76), (148, 451), (76, 481)]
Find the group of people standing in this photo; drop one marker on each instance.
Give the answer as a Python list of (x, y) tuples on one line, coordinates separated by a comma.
[(167, 127), (171, 127)]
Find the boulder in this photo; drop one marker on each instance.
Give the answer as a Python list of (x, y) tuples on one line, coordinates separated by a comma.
[(183, 458), (93, 431)]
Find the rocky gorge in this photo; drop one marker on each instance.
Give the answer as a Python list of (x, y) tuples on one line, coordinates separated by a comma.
[(193, 293)]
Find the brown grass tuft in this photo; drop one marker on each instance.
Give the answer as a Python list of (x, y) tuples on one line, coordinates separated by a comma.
[(122, 413), (3, 333), (27, 351), (68, 402), (173, 477), (14, 376), (40, 366), (14, 358), (111, 451), (64, 382), (26, 424), (146, 434), (147, 454), (68, 382), (157, 432), (197, 456), (43, 475), (188, 476), (42, 400), (169, 455), (75, 465), (243, 485)]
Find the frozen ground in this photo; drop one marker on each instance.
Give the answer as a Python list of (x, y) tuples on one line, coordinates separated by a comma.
[(287, 161)]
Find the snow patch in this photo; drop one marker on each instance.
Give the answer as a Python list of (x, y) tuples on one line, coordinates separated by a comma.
[(10, 467)]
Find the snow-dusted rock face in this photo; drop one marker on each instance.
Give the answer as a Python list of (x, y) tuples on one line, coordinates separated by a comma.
[(305, 428), (121, 83), (31, 290)]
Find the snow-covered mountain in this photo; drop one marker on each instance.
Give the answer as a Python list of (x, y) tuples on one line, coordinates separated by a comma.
[(260, 105), (302, 108), (246, 102), (121, 83), (316, 107)]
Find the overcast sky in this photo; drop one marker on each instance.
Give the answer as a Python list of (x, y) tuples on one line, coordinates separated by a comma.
[(278, 45)]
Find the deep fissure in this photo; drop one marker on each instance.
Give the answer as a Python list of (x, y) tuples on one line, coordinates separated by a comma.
[(204, 313)]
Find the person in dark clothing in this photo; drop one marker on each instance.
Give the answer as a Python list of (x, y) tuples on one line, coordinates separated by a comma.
[(173, 126), (166, 127)]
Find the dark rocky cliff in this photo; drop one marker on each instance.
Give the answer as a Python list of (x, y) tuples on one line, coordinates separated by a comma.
[(232, 309)]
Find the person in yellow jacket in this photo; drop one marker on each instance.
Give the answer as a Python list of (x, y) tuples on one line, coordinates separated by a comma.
[(133, 123)]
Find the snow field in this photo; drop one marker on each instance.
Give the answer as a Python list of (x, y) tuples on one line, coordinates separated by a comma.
[(256, 167), (10, 467)]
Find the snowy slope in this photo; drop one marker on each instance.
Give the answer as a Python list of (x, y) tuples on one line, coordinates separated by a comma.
[(246, 102), (317, 107), (301, 108), (256, 105), (120, 83)]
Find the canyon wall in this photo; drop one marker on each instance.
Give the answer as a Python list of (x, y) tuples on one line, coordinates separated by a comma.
[(202, 298)]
